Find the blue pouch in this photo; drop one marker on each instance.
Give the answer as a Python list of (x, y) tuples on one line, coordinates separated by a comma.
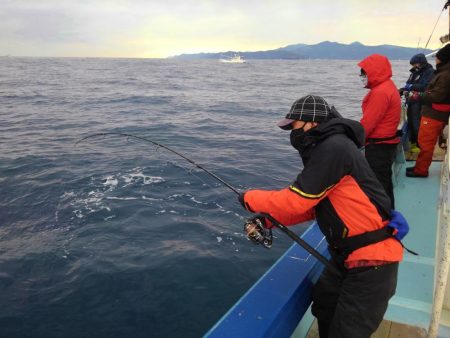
[(399, 223)]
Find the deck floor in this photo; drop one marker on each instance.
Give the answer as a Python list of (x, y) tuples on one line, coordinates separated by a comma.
[(387, 329)]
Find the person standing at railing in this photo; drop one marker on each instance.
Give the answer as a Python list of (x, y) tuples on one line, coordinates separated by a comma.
[(421, 74), (435, 113), (381, 109), (338, 189)]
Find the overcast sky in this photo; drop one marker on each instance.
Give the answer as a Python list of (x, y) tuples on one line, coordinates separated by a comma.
[(161, 28)]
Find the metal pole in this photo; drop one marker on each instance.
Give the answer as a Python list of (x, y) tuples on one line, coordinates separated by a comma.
[(442, 253), (440, 286), (444, 259), (447, 4)]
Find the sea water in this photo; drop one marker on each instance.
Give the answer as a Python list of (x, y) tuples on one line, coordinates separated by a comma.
[(113, 237)]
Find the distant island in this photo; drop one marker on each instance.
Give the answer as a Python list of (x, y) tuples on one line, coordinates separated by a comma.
[(323, 50)]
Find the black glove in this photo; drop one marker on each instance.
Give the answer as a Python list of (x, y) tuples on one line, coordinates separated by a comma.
[(241, 199)]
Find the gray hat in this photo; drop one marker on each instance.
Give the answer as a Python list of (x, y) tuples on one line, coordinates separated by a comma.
[(309, 108)]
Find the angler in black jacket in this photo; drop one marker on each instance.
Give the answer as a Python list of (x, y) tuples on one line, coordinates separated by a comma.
[(338, 189), (421, 74)]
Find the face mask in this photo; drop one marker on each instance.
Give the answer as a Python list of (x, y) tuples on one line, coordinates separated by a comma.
[(364, 80), (297, 138)]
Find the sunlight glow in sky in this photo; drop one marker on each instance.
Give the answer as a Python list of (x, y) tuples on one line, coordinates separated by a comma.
[(162, 28)]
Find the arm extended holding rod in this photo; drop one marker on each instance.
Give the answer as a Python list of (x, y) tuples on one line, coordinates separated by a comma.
[(257, 234)]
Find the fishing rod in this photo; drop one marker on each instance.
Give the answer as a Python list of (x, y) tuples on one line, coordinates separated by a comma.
[(254, 227), (447, 3)]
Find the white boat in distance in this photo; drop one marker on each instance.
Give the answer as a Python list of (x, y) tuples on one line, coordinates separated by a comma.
[(234, 59)]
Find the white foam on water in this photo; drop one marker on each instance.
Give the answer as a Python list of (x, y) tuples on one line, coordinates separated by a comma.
[(196, 201), (219, 239), (96, 199), (93, 202), (191, 197), (138, 176), (151, 199), (111, 182), (67, 194)]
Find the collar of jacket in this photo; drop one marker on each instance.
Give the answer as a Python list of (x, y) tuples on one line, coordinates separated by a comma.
[(442, 67), (421, 70), (352, 129)]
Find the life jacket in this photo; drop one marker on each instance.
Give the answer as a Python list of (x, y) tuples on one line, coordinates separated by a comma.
[(397, 228)]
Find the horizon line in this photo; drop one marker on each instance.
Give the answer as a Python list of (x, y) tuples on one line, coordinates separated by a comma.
[(206, 52)]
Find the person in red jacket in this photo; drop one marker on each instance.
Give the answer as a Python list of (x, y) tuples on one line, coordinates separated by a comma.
[(381, 109), (338, 189)]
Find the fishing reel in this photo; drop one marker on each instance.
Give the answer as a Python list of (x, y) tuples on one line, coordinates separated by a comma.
[(256, 232)]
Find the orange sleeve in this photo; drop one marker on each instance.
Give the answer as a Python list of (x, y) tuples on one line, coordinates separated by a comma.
[(284, 205)]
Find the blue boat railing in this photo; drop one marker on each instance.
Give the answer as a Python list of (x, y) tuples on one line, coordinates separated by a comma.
[(278, 301)]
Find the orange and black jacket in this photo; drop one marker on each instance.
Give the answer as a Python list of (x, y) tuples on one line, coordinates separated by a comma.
[(337, 188)]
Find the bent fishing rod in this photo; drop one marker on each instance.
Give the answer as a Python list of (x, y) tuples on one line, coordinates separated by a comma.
[(253, 227)]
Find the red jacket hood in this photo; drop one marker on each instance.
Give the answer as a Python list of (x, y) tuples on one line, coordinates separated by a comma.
[(378, 69)]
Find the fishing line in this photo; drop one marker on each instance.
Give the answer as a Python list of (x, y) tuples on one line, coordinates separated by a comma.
[(280, 226), (165, 147)]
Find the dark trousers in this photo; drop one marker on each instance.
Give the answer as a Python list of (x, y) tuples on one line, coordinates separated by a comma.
[(413, 114), (380, 158), (352, 304)]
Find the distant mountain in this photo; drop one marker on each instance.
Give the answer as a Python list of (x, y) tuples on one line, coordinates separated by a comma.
[(322, 50)]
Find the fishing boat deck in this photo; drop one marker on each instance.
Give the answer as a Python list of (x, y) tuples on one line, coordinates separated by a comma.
[(387, 329)]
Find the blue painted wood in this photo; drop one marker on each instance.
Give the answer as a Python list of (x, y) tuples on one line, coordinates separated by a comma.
[(274, 305)]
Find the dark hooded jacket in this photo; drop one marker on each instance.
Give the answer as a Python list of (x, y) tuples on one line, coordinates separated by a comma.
[(420, 78), (381, 107), (337, 188), (436, 98)]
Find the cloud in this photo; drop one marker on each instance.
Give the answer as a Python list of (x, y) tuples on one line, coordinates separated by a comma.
[(37, 23), (166, 27)]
